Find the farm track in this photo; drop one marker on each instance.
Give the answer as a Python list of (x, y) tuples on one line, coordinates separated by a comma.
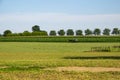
[(77, 69), (85, 69)]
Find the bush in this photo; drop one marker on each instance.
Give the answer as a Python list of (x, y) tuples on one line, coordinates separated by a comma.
[(41, 33)]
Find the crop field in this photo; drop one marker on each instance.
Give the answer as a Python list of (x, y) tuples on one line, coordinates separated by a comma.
[(48, 61), (60, 39)]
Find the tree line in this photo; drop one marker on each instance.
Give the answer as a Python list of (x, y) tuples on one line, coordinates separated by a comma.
[(70, 32)]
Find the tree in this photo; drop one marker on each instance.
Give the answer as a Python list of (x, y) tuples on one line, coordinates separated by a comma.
[(88, 32), (79, 32), (106, 31), (61, 32), (36, 28), (115, 31), (119, 32), (7, 32), (97, 31), (70, 32), (52, 33), (0, 35)]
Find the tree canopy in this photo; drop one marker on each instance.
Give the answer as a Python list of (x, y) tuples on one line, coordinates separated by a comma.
[(52, 33), (7, 32), (70, 32), (79, 32), (61, 32), (36, 28), (97, 31), (88, 32), (106, 31), (115, 31)]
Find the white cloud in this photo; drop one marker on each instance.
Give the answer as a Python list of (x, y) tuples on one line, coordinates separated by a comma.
[(57, 17), (56, 20)]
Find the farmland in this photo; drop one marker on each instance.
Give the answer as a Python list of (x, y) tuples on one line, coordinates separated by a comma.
[(60, 39), (36, 61)]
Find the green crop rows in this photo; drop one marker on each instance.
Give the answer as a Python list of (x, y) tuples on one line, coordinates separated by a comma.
[(62, 39)]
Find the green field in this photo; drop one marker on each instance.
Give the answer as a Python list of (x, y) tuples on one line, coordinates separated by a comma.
[(28, 61)]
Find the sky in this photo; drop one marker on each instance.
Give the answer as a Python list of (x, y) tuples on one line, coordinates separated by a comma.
[(21, 15)]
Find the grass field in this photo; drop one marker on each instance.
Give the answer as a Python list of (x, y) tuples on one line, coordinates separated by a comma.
[(28, 61)]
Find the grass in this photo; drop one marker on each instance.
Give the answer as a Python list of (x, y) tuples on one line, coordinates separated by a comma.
[(53, 75), (26, 61)]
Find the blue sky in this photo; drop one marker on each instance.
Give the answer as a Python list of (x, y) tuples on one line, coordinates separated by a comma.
[(20, 15)]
